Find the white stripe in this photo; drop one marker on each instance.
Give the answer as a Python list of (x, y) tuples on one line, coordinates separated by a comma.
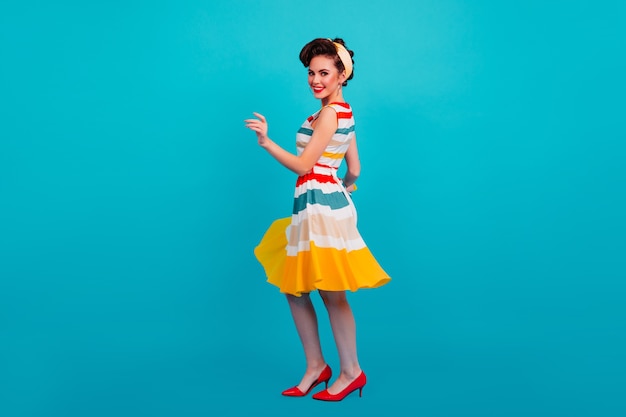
[(319, 226), (326, 188), (319, 209), (326, 242)]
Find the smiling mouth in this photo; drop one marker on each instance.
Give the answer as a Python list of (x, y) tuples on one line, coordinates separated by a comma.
[(317, 89)]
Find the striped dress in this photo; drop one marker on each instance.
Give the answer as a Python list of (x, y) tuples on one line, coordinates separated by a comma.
[(319, 246)]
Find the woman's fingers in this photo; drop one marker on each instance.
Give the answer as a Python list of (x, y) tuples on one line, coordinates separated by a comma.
[(257, 125), (256, 122)]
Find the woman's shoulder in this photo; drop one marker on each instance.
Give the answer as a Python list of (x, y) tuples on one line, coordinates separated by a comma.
[(343, 110), (339, 106), (340, 109)]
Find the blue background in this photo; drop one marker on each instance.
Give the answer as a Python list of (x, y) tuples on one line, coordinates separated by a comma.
[(131, 196)]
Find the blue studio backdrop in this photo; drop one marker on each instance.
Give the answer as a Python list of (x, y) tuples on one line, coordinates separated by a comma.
[(491, 136)]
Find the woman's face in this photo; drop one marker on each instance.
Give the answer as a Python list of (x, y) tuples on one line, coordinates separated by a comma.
[(324, 78)]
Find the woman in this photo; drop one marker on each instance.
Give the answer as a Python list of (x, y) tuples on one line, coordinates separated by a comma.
[(319, 246)]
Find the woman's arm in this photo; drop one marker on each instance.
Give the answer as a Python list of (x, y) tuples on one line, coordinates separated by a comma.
[(353, 165), (325, 127)]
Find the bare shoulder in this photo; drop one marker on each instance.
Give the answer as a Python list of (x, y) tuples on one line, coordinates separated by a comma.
[(327, 117), (329, 109)]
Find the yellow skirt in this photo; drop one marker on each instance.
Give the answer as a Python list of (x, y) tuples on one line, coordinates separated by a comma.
[(317, 268)]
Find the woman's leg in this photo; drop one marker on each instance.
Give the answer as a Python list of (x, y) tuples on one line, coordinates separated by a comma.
[(305, 318), (344, 331)]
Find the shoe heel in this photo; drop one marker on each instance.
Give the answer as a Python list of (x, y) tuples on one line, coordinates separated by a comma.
[(357, 384)]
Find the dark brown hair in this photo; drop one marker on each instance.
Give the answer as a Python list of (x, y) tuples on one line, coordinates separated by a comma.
[(325, 47)]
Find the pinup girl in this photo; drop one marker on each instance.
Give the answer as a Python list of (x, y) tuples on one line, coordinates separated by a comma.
[(319, 246)]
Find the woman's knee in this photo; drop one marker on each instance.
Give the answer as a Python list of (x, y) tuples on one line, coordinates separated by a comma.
[(303, 299), (333, 298)]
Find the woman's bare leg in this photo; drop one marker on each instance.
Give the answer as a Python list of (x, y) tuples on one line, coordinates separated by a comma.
[(344, 331), (305, 318)]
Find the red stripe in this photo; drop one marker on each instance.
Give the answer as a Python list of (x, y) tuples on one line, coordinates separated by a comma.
[(340, 114), (321, 178)]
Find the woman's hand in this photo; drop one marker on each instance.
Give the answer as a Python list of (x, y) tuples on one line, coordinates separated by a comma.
[(259, 126), (351, 188)]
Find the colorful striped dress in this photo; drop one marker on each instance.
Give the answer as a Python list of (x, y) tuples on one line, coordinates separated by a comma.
[(319, 246)]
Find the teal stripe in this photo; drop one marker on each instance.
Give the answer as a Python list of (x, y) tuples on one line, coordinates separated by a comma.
[(334, 200), (346, 130), (309, 132)]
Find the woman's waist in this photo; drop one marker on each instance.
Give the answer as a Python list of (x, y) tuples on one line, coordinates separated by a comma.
[(320, 173), (325, 168)]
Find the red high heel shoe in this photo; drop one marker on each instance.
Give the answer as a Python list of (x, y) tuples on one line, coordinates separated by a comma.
[(324, 377), (357, 384)]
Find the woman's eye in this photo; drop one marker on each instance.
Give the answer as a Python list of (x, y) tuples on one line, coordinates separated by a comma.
[(324, 73)]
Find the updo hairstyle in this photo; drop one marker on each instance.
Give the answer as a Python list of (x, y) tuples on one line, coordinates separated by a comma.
[(325, 47)]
